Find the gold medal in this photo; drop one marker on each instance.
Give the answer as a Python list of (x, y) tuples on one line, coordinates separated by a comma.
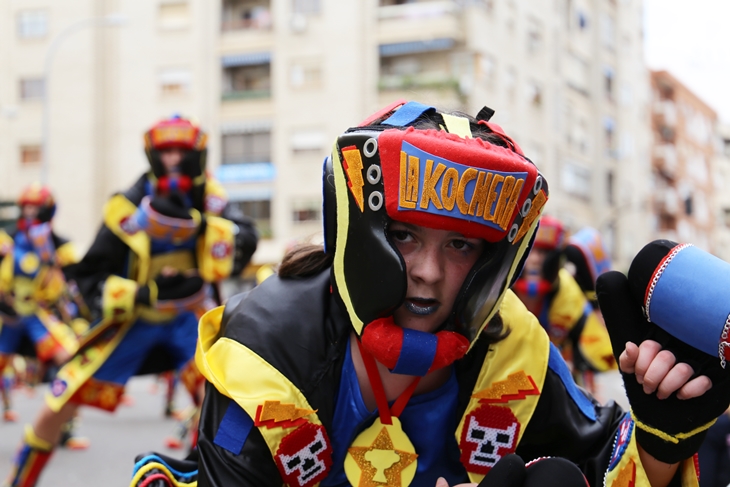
[(381, 456), (29, 263)]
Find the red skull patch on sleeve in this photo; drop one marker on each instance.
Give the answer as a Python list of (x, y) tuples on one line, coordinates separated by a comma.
[(304, 456), (489, 433)]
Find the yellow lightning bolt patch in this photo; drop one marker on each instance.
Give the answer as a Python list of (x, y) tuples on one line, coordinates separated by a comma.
[(517, 386), (353, 169), (275, 414)]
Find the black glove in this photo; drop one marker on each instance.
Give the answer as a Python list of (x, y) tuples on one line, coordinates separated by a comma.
[(666, 429), (177, 286), (510, 471), (172, 205)]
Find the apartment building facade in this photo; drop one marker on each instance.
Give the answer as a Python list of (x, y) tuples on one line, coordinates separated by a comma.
[(566, 79), (116, 67), (275, 81), (683, 164)]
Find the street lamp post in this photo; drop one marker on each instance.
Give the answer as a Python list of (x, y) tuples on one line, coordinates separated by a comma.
[(109, 20)]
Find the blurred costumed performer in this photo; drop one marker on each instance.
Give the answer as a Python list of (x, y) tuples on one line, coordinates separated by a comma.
[(154, 267), (35, 301), (553, 295)]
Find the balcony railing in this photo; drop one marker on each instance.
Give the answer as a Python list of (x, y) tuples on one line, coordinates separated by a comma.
[(418, 10), (245, 95), (418, 81)]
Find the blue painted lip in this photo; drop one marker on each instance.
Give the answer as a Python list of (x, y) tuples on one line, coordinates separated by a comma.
[(421, 310)]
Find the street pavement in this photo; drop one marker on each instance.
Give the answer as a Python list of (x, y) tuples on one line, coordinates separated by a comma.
[(115, 438)]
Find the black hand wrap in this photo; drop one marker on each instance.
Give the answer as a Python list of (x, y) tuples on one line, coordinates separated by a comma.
[(670, 429), (172, 205), (510, 471), (177, 286)]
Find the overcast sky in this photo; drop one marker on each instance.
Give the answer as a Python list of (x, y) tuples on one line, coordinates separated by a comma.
[(691, 39)]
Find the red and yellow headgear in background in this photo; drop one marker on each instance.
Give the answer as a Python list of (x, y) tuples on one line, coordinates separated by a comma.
[(41, 196), (181, 133)]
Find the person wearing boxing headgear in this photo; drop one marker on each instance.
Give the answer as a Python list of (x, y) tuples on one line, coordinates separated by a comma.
[(36, 305), (397, 354), (152, 270), (587, 258), (553, 295)]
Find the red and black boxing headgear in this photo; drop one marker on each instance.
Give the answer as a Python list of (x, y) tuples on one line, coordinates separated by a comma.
[(181, 133), (386, 169), (40, 196)]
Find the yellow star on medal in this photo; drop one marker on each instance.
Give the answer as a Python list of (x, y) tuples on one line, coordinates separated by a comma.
[(380, 461)]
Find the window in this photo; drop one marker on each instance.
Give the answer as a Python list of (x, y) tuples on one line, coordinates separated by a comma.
[(510, 82), (486, 69), (305, 6), (246, 14), (32, 24), (576, 180), (32, 88), (609, 187), (534, 94), (534, 36), (174, 81), (246, 148), (577, 73), (260, 212), (306, 74), (608, 31), (247, 81), (688, 205), (726, 214), (608, 83), (174, 14), (609, 133), (427, 69), (307, 211), (308, 140), (30, 154)]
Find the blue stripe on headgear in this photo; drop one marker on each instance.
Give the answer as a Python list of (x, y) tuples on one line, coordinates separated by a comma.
[(407, 114)]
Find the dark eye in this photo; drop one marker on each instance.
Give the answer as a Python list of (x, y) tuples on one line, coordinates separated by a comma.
[(460, 244), (399, 235)]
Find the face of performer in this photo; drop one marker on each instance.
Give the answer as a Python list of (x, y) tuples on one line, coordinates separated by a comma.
[(437, 262), (534, 263), (30, 212), (171, 159)]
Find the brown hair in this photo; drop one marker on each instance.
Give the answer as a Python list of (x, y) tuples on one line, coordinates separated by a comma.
[(305, 261)]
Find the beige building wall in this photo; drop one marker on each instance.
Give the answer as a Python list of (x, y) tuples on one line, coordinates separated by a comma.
[(275, 81)]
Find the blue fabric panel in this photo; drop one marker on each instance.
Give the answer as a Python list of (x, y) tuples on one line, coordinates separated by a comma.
[(692, 299), (234, 429), (417, 354), (407, 113), (558, 365)]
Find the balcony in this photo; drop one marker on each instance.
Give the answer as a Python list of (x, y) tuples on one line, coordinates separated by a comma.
[(419, 81), (238, 15), (420, 20), (666, 160), (246, 76)]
